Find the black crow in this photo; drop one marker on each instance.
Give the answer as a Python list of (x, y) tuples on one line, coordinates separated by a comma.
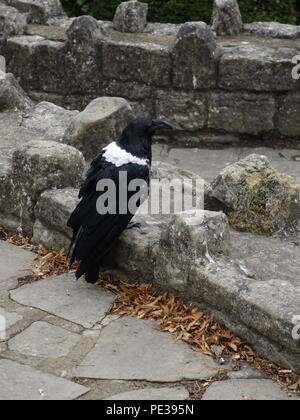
[(94, 232)]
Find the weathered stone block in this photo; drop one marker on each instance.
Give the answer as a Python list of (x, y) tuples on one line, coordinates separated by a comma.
[(12, 96), (273, 30), (41, 165), (185, 111), (85, 30), (227, 19), (131, 16), (257, 67), (241, 112), (197, 233), (134, 91), (147, 63), (165, 29), (195, 57), (255, 197), (36, 63), (100, 123), (288, 115), (39, 11), (6, 187), (38, 166), (81, 57), (194, 235), (12, 22), (52, 212), (48, 119)]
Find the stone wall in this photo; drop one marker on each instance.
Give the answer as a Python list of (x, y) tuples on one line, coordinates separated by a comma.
[(219, 89)]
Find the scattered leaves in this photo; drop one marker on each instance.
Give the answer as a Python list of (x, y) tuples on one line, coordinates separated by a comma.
[(182, 320)]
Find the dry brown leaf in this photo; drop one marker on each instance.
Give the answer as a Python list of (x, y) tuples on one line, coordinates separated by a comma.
[(183, 321)]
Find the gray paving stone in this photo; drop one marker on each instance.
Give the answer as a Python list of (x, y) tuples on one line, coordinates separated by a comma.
[(209, 162), (246, 373), (20, 382), (63, 296), (44, 340), (131, 349), (204, 162), (245, 389), (7, 320), (15, 263), (160, 394)]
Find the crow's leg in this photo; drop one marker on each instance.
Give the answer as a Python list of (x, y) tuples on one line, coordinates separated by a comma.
[(132, 225)]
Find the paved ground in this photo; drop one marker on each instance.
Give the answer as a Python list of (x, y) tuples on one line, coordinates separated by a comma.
[(208, 162), (59, 343)]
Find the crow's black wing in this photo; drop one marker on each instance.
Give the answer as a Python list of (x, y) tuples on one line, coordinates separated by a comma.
[(98, 232)]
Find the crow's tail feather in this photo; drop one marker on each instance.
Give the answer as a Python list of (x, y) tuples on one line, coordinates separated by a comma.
[(91, 272), (73, 240), (92, 275)]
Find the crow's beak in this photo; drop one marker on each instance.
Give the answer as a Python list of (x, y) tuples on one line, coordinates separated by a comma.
[(158, 124)]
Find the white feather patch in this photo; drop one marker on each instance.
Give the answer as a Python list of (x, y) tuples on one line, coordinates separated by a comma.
[(114, 154)]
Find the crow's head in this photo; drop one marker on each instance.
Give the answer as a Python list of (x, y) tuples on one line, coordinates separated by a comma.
[(137, 136), (145, 127)]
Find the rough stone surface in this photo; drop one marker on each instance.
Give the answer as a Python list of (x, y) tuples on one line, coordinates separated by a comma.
[(272, 68), (273, 30), (195, 57), (67, 298), (289, 109), (81, 59), (256, 197), (15, 263), (11, 318), (137, 66), (14, 135), (227, 19), (24, 54), (241, 113), (195, 235), (50, 119), (85, 30), (265, 258), (20, 382), (44, 340), (167, 29), (39, 11), (246, 373), (6, 196), (52, 213), (113, 356), (241, 389), (12, 22), (12, 95), (38, 166), (100, 123), (170, 394), (41, 165), (133, 59), (185, 111), (131, 16)]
